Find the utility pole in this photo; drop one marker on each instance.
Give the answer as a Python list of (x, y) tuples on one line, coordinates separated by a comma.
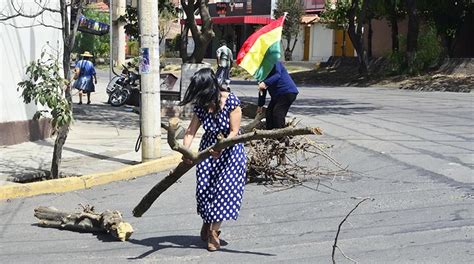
[(118, 48), (150, 108), (111, 25)]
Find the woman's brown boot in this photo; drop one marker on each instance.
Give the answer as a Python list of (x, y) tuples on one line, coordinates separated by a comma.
[(205, 231), (213, 242)]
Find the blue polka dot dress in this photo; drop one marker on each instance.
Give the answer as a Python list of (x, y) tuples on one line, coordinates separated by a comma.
[(220, 182)]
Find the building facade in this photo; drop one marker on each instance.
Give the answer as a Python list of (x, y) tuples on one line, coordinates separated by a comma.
[(236, 20), (19, 45)]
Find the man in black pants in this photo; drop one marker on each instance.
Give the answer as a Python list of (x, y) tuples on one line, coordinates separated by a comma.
[(283, 93)]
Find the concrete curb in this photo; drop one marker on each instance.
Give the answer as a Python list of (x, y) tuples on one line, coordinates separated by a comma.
[(88, 181)]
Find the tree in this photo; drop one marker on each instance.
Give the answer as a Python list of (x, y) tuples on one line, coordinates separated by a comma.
[(167, 18), (448, 18), (167, 15), (353, 14), (131, 22), (89, 42), (43, 84), (201, 37), (392, 11), (413, 30), (292, 25), (68, 29)]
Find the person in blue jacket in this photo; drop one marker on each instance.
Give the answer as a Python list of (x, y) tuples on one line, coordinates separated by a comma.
[(85, 76), (283, 93)]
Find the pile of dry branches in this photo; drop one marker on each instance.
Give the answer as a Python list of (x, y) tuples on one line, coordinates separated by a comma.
[(289, 161)]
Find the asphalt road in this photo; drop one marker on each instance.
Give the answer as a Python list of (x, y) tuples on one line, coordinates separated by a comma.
[(411, 152)]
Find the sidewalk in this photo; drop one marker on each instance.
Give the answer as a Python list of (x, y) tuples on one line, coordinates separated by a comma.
[(102, 139)]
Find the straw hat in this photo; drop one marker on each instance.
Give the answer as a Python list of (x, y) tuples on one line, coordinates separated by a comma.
[(87, 54)]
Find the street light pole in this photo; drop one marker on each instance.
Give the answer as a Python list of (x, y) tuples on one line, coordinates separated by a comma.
[(150, 108)]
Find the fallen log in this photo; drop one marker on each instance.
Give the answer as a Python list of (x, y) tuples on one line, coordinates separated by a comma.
[(110, 222), (221, 144)]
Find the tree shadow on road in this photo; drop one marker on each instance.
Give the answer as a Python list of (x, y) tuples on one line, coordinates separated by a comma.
[(104, 114), (157, 243), (317, 107)]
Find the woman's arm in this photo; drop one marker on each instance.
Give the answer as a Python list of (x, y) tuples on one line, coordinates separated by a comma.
[(191, 131), (76, 73), (235, 117)]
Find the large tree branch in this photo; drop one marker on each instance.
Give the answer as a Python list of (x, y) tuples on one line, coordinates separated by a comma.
[(110, 222), (44, 6), (19, 12), (222, 143)]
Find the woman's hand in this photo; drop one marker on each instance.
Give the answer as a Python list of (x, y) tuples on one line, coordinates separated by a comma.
[(187, 161), (215, 154), (262, 86)]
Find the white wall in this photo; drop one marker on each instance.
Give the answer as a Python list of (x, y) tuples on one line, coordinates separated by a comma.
[(17, 48), (321, 44), (322, 40), (299, 48)]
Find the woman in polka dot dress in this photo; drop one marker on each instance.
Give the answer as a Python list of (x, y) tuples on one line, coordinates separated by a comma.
[(220, 178)]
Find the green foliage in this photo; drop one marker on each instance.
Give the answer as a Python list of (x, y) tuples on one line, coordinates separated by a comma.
[(131, 22), (98, 45), (447, 16), (429, 49), (167, 12), (240, 73), (427, 56), (295, 11), (176, 43), (173, 47), (335, 14), (166, 20), (133, 47), (397, 61), (44, 85)]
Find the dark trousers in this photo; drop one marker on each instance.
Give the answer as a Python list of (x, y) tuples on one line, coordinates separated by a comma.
[(277, 110), (223, 75)]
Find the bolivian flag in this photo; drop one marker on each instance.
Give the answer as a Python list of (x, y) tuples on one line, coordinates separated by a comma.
[(262, 50)]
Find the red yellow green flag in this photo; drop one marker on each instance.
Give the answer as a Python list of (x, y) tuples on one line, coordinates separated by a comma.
[(262, 50)]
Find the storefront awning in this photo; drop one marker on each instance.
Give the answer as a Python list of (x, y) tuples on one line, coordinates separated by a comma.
[(261, 20), (309, 19)]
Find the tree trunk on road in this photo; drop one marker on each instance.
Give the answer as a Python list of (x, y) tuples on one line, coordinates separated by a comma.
[(110, 222)]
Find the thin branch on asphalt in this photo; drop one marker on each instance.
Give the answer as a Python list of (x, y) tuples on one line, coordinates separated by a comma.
[(339, 230)]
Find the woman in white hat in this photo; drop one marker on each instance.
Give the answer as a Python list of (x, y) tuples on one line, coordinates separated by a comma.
[(85, 76)]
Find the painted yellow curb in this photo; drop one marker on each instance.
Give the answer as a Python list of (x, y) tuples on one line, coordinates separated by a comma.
[(87, 181)]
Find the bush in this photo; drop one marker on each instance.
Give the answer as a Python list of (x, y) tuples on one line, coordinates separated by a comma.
[(397, 62), (429, 49), (240, 73), (427, 56)]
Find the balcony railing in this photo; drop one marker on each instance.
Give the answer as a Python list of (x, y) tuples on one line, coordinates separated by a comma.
[(313, 4)]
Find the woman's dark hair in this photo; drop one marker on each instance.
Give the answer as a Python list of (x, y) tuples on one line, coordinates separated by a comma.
[(204, 90)]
